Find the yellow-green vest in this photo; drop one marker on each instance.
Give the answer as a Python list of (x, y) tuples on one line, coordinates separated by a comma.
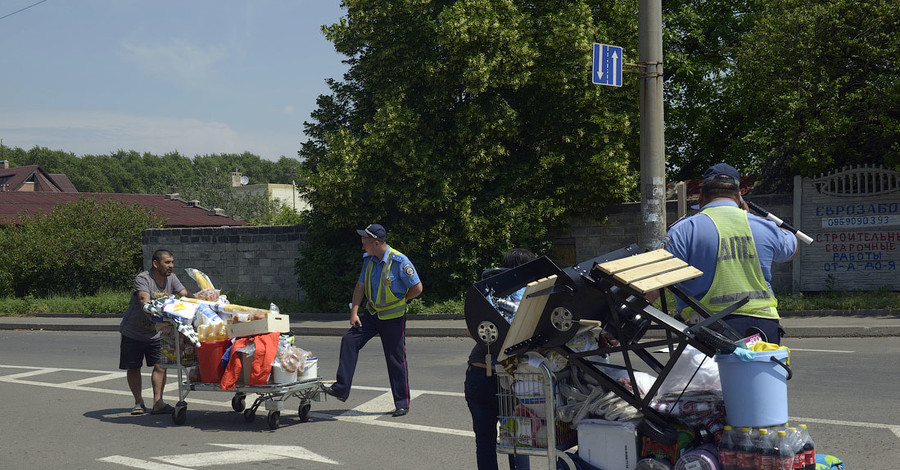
[(738, 273), (386, 305)]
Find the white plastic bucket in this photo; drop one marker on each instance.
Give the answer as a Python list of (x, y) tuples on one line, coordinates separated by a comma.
[(310, 368), (755, 391), (281, 376)]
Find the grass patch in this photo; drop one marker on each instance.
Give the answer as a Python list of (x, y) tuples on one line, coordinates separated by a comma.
[(117, 301), (834, 300)]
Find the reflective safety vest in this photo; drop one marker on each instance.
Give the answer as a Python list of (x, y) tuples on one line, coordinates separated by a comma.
[(386, 305), (738, 273)]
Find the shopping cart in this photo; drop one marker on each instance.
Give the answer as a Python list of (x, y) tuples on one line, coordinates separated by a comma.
[(528, 402), (272, 396)]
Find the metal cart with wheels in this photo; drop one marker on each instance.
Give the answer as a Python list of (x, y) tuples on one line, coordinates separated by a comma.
[(272, 396), (528, 421)]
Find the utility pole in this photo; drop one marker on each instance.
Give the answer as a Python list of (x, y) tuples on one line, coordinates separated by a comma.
[(653, 160)]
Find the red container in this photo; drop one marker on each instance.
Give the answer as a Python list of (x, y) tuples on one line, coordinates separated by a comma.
[(209, 358)]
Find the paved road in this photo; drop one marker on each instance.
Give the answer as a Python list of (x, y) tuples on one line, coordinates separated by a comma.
[(827, 324), (65, 404)]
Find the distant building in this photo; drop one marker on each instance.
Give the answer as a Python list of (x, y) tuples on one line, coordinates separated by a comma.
[(30, 189), (285, 194), (32, 179)]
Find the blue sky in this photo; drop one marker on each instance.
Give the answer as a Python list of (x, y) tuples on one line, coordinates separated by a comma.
[(196, 76)]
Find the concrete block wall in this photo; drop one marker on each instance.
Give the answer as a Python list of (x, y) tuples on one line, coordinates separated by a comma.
[(623, 227), (251, 261)]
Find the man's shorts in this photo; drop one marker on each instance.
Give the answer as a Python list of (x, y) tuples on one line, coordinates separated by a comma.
[(132, 352)]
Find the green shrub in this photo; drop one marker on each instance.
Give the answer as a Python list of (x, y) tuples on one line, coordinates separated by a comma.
[(77, 249)]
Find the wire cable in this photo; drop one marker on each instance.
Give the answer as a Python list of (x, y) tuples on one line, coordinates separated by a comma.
[(21, 10)]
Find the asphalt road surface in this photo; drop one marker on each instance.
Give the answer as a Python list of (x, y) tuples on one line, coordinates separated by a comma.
[(66, 405)]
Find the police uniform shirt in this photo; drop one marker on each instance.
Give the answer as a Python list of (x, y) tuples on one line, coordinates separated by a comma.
[(696, 241), (403, 274)]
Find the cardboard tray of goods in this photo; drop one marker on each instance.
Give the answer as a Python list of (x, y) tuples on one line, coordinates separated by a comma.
[(273, 322)]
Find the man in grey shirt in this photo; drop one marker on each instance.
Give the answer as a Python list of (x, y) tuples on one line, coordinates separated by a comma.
[(140, 338)]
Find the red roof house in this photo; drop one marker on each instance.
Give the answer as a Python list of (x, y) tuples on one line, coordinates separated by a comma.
[(30, 189), (33, 178), (176, 211)]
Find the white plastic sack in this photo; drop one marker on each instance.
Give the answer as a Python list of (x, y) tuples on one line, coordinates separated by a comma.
[(706, 378)]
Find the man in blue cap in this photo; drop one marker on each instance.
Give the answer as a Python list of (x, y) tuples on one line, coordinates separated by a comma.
[(388, 281), (735, 250)]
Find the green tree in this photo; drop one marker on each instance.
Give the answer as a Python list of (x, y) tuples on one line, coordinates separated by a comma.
[(819, 87), (466, 128), (781, 87), (701, 40)]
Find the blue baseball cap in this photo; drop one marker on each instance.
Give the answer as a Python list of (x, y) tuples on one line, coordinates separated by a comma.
[(375, 231), (722, 172)]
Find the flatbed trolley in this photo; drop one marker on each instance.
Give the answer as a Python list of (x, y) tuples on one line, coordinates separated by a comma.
[(273, 396), (528, 403)]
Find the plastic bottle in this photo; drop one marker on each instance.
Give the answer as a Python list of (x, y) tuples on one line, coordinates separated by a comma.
[(784, 453), (746, 459), (764, 450), (203, 332), (728, 449), (796, 442), (809, 449)]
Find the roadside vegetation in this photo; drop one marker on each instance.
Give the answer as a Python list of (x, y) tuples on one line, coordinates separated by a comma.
[(115, 302)]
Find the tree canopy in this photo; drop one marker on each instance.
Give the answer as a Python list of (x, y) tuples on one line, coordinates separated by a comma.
[(466, 128), (781, 87)]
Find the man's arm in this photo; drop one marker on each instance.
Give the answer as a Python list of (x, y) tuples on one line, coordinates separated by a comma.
[(143, 298), (414, 291)]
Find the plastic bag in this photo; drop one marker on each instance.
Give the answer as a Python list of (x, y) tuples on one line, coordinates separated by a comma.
[(209, 294), (183, 310), (682, 376), (290, 358), (202, 279), (206, 316)]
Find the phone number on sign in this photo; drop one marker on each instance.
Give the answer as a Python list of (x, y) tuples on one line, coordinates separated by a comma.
[(860, 221)]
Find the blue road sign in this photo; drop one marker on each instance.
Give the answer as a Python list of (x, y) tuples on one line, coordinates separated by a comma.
[(607, 69)]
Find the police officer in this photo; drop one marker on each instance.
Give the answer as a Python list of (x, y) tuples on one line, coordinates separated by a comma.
[(735, 250), (387, 281)]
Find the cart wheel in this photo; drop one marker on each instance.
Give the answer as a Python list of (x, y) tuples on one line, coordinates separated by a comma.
[(273, 419), (304, 412), (249, 415), (237, 402), (715, 340), (179, 415)]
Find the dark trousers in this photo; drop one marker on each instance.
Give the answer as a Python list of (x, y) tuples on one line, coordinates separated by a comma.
[(393, 341), (747, 325), (481, 396)]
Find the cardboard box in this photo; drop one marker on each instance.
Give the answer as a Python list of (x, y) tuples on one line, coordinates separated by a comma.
[(608, 444), (273, 322)]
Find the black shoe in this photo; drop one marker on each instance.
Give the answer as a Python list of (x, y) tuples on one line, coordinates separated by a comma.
[(330, 391), (400, 412)]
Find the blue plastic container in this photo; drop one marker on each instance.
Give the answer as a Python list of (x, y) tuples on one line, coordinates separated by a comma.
[(755, 391)]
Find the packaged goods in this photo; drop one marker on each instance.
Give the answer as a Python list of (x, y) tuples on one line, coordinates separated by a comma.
[(668, 453), (699, 458), (608, 444), (202, 279)]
